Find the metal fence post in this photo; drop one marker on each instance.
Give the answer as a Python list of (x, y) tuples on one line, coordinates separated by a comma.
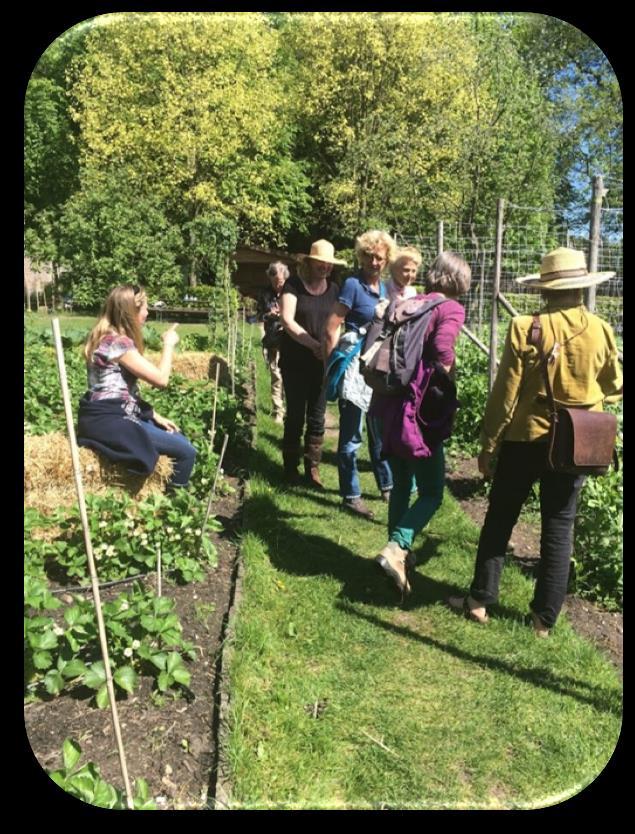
[(493, 336), (594, 237), (439, 237)]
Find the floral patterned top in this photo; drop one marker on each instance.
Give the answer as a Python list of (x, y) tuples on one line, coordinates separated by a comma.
[(107, 379)]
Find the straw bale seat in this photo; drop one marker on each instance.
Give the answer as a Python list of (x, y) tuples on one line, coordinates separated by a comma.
[(197, 365), (49, 481)]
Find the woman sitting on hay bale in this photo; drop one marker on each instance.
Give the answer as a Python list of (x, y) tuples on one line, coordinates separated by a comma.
[(113, 419)]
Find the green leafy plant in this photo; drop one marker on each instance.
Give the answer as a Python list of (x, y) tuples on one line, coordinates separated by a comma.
[(85, 783)]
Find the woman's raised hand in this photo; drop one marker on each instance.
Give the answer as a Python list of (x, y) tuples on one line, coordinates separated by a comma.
[(171, 337)]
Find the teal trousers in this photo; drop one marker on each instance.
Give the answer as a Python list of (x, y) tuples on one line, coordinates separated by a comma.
[(404, 521)]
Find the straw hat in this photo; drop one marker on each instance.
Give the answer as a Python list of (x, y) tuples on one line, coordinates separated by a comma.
[(324, 251), (563, 269)]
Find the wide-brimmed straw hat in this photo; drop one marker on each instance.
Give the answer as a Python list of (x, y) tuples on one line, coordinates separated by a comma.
[(324, 251), (563, 269)]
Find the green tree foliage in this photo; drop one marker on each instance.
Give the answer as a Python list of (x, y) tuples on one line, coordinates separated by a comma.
[(578, 81), (109, 235), (155, 142), (51, 164), (190, 106), (407, 117)]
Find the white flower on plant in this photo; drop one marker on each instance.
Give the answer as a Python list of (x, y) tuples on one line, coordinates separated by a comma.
[(124, 606), (197, 532), (127, 652), (103, 524), (111, 550), (178, 536), (169, 529), (136, 644), (58, 630)]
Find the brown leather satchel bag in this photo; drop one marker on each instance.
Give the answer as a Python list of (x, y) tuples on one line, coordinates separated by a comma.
[(581, 442)]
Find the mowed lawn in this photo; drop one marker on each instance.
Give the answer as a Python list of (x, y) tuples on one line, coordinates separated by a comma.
[(342, 698)]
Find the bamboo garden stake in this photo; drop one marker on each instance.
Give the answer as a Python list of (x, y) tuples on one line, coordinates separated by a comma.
[(89, 553), (213, 489), (212, 433)]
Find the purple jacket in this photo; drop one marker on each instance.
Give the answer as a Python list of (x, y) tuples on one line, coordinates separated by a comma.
[(414, 425)]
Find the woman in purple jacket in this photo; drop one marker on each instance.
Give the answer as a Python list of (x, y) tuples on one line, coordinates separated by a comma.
[(449, 277)]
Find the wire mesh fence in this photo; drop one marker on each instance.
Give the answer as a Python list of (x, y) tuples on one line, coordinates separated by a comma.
[(528, 233)]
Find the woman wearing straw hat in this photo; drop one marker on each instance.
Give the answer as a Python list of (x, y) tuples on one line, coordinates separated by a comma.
[(584, 372), (306, 302), (355, 307)]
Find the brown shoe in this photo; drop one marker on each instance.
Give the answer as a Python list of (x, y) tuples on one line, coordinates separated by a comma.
[(312, 458), (461, 605), (357, 507), (312, 475), (540, 629), (392, 560)]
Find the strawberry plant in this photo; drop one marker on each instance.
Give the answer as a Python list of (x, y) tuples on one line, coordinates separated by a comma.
[(85, 783), (144, 633)]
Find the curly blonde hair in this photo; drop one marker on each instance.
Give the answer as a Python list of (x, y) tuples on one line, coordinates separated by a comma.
[(373, 240), (119, 314), (449, 274)]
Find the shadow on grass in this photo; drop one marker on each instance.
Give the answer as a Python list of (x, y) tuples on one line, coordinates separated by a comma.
[(362, 582), (602, 700)]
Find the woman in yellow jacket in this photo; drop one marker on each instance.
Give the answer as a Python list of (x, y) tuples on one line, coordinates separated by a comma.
[(585, 373)]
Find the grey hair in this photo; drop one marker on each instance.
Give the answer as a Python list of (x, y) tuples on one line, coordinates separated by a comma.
[(449, 274), (277, 267)]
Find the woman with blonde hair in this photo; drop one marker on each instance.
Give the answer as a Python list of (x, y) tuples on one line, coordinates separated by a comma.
[(354, 308), (113, 418)]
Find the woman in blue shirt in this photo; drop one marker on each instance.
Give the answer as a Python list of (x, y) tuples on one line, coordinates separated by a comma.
[(354, 308)]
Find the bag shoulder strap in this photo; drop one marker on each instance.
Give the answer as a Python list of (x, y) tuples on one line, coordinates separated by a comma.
[(535, 338)]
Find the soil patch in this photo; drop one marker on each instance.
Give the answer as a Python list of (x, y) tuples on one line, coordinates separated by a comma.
[(603, 628), (171, 745)]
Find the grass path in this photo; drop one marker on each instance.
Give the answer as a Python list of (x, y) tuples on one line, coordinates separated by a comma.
[(341, 698)]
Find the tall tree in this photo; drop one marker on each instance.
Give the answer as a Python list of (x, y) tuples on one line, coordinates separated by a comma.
[(190, 106), (586, 106)]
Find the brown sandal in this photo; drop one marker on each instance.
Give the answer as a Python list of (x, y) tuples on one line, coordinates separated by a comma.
[(460, 605)]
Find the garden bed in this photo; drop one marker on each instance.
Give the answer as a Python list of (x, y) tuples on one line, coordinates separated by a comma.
[(165, 649), (170, 742)]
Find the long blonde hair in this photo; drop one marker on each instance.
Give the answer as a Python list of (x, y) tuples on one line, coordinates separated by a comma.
[(119, 314)]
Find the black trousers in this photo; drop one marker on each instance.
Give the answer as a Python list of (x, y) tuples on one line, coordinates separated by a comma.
[(519, 466), (305, 393)]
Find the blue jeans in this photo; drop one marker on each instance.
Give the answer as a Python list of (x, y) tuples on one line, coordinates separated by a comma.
[(350, 439), (176, 446), (404, 521)]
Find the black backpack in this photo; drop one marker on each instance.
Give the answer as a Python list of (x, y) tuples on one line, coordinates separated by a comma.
[(394, 344)]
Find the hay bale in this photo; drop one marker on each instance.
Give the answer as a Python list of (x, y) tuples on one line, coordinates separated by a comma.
[(49, 481), (197, 365)]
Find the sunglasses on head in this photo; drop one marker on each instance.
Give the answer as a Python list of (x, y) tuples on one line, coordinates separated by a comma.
[(136, 289)]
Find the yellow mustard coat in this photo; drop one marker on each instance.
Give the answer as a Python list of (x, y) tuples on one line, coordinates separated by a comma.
[(586, 373)]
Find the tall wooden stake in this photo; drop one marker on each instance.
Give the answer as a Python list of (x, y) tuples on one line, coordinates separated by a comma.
[(498, 257), (70, 426), (212, 433), (439, 237), (594, 237), (213, 489)]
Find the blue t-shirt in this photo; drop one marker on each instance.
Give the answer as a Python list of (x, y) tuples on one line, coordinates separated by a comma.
[(361, 301)]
